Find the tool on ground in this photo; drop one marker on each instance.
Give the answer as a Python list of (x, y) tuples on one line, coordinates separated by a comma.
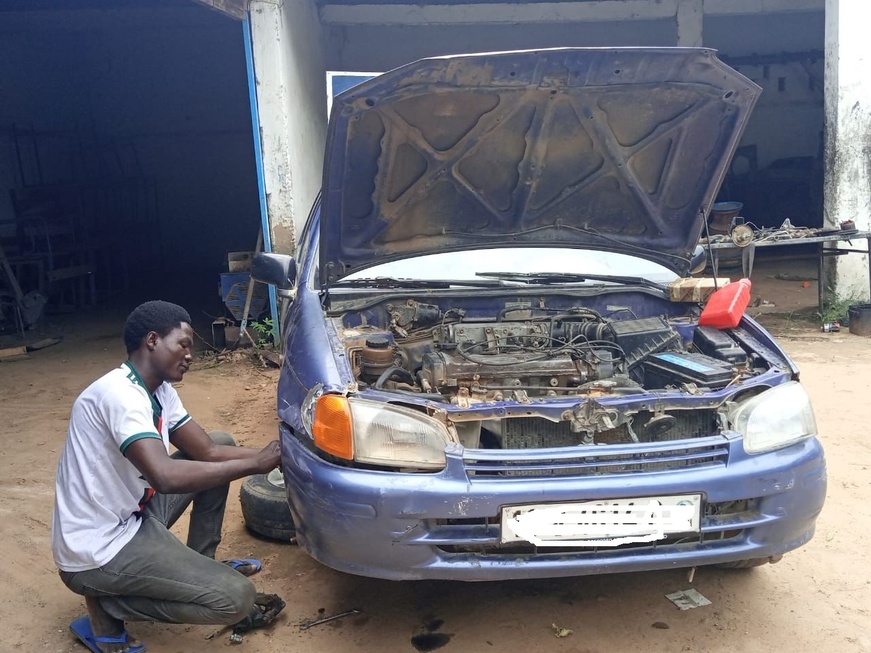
[(305, 625)]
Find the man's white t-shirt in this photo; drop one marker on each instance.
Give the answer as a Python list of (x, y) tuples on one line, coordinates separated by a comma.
[(98, 492)]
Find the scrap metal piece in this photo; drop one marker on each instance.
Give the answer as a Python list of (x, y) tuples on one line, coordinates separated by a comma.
[(742, 235), (559, 631), (687, 599)]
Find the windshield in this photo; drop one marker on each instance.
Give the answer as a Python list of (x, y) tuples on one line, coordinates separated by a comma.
[(467, 265)]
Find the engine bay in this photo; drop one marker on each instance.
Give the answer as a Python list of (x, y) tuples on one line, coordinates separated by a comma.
[(526, 350)]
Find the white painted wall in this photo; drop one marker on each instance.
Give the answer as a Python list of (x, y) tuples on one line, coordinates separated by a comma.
[(848, 136), (290, 71)]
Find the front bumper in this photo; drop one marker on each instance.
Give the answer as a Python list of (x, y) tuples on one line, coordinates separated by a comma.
[(405, 526)]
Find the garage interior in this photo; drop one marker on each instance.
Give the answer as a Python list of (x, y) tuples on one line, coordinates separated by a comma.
[(127, 167)]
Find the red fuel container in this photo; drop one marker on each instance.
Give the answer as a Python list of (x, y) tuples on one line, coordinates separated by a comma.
[(726, 306)]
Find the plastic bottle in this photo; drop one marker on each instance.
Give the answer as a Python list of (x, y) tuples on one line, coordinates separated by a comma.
[(726, 306)]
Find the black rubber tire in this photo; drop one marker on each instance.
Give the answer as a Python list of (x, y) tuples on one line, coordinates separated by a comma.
[(265, 509)]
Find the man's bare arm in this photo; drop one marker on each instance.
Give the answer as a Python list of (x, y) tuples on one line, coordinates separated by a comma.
[(173, 476), (196, 444)]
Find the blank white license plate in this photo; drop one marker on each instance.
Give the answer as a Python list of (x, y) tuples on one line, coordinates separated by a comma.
[(602, 523)]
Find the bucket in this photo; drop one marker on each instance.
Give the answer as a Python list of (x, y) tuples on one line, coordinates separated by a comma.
[(722, 214), (860, 319)]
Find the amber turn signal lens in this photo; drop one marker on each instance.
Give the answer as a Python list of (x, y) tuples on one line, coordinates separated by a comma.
[(332, 426)]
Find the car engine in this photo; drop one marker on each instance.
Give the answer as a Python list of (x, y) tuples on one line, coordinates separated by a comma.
[(522, 353)]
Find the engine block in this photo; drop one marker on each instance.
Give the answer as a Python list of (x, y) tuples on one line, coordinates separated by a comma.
[(536, 373)]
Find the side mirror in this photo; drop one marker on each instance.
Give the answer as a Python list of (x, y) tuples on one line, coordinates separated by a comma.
[(698, 260), (276, 269)]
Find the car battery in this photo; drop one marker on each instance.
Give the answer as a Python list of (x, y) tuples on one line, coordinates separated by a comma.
[(718, 344), (676, 368)]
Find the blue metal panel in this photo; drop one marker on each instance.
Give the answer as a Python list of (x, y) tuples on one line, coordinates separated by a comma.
[(258, 160)]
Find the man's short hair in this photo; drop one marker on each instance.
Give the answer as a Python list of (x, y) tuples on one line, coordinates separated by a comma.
[(159, 316)]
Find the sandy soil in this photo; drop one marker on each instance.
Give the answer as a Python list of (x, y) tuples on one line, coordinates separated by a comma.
[(817, 598)]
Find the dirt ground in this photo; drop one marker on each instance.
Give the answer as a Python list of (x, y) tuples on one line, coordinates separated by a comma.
[(817, 598)]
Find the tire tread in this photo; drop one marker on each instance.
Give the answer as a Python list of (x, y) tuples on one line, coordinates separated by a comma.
[(265, 509)]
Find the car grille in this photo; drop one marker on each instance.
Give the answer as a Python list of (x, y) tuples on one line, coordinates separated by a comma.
[(721, 522), (595, 460), (538, 433)]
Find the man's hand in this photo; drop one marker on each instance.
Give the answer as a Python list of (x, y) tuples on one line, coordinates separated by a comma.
[(268, 458)]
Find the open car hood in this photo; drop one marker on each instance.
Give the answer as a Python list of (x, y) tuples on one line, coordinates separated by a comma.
[(617, 149)]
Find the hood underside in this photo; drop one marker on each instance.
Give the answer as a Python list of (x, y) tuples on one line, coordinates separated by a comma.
[(614, 149)]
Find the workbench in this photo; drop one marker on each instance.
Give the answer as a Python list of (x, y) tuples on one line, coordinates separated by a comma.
[(821, 242)]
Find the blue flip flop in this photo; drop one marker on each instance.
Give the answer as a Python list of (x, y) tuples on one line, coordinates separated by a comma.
[(239, 563), (81, 628)]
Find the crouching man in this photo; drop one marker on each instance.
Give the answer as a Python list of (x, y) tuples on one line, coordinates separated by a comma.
[(118, 490)]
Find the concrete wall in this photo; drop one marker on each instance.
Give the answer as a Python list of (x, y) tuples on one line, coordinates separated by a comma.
[(352, 47), (373, 47), (848, 138), (788, 120), (290, 71), (168, 83), (760, 33)]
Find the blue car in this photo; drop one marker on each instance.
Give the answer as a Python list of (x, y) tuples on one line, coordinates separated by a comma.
[(493, 362)]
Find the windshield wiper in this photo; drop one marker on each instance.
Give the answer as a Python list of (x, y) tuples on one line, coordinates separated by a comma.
[(568, 277), (390, 282)]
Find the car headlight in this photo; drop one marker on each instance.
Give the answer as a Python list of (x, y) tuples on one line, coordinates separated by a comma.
[(378, 434), (774, 419)]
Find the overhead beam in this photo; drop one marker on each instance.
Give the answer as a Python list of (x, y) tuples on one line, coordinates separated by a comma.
[(739, 7), (545, 12), (237, 9), (497, 14)]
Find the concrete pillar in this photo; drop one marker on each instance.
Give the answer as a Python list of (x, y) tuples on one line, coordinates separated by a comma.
[(690, 19), (290, 73), (847, 187)]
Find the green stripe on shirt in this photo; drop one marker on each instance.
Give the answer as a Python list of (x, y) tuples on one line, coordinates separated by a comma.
[(138, 436), (180, 423)]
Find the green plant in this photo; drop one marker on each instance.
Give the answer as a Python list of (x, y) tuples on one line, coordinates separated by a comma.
[(835, 309), (266, 331)]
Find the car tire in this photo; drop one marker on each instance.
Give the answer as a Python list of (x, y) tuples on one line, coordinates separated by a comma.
[(264, 506)]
